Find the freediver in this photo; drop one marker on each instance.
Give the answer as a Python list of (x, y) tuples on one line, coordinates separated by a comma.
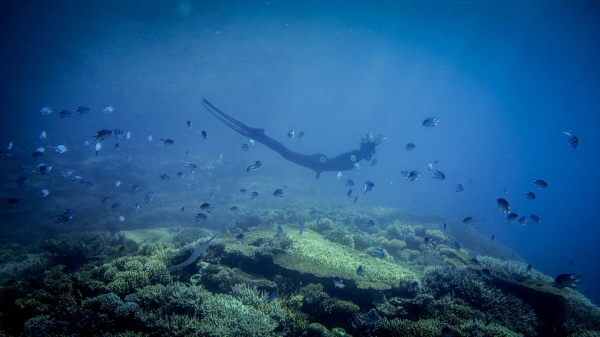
[(316, 162)]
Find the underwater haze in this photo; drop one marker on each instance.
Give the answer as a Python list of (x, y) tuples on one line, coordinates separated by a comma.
[(511, 83)]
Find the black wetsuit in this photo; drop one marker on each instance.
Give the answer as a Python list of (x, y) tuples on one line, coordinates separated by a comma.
[(316, 162)]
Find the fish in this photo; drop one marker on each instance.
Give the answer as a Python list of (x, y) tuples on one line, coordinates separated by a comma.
[(204, 135), (493, 237), (349, 194), (529, 195), (339, 175), (254, 166), (272, 297), (82, 109), (127, 159), (512, 217), (35, 155), (189, 125), (136, 207), (349, 182), (353, 158), (119, 134), (278, 193), (373, 162), (473, 261), (337, 281), (379, 253), (183, 208), (439, 175), (244, 147), (459, 188), (163, 177), (413, 287), (115, 206), (233, 208), (291, 134), (105, 200), (240, 238), (42, 134), (9, 146), (368, 187), (77, 178), (165, 142), (409, 146), (180, 174), (46, 110), (356, 166), (523, 221), (413, 176), (42, 168), (301, 230), (102, 134), (301, 135), (486, 274), (97, 147), (539, 183), (206, 207), (279, 231), (254, 195), (536, 219), (121, 218), (128, 135), (430, 242), (529, 268), (64, 113), (430, 122), (42, 193), (149, 137), (108, 109), (370, 223), (118, 183), (469, 220), (566, 281), (118, 147), (355, 199), (360, 271), (148, 197), (513, 278), (572, 140), (200, 216), (88, 184), (243, 191), (11, 202), (260, 242), (21, 181), (251, 141), (445, 227), (134, 188), (455, 245), (503, 205)]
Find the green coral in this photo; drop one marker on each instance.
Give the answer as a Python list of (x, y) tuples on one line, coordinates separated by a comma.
[(322, 226), (403, 327), (340, 236), (126, 274)]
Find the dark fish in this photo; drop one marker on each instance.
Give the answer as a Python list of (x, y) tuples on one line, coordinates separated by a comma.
[(503, 205), (180, 174), (486, 274), (291, 134), (115, 206), (200, 216), (469, 220), (278, 193), (430, 242), (523, 220), (473, 261), (373, 162), (244, 147), (165, 142), (233, 208), (566, 281), (379, 253), (536, 219), (260, 242), (300, 135), (355, 199), (529, 267), (349, 194), (529, 195), (360, 271), (512, 217), (119, 133), (539, 183), (134, 188), (64, 113), (36, 155), (414, 287), (254, 166), (42, 168), (254, 195), (118, 147), (189, 125), (445, 227), (21, 181), (243, 191), (439, 175), (279, 231), (455, 245), (301, 230), (413, 176), (148, 197), (240, 238), (82, 109), (11, 202), (206, 207), (163, 177), (429, 122), (88, 184), (370, 223), (102, 134), (281, 330), (349, 182), (105, 200), (62, 218), (368, 186), (204, 135), (493, 237), (459, 188), (409, 146), (272, 297), (183, 208), (337, 281), (572, 140)]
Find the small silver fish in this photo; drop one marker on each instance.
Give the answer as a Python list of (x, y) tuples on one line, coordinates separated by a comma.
[(42, 134)]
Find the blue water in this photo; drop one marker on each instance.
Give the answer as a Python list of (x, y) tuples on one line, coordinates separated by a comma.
[(505, 78)]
